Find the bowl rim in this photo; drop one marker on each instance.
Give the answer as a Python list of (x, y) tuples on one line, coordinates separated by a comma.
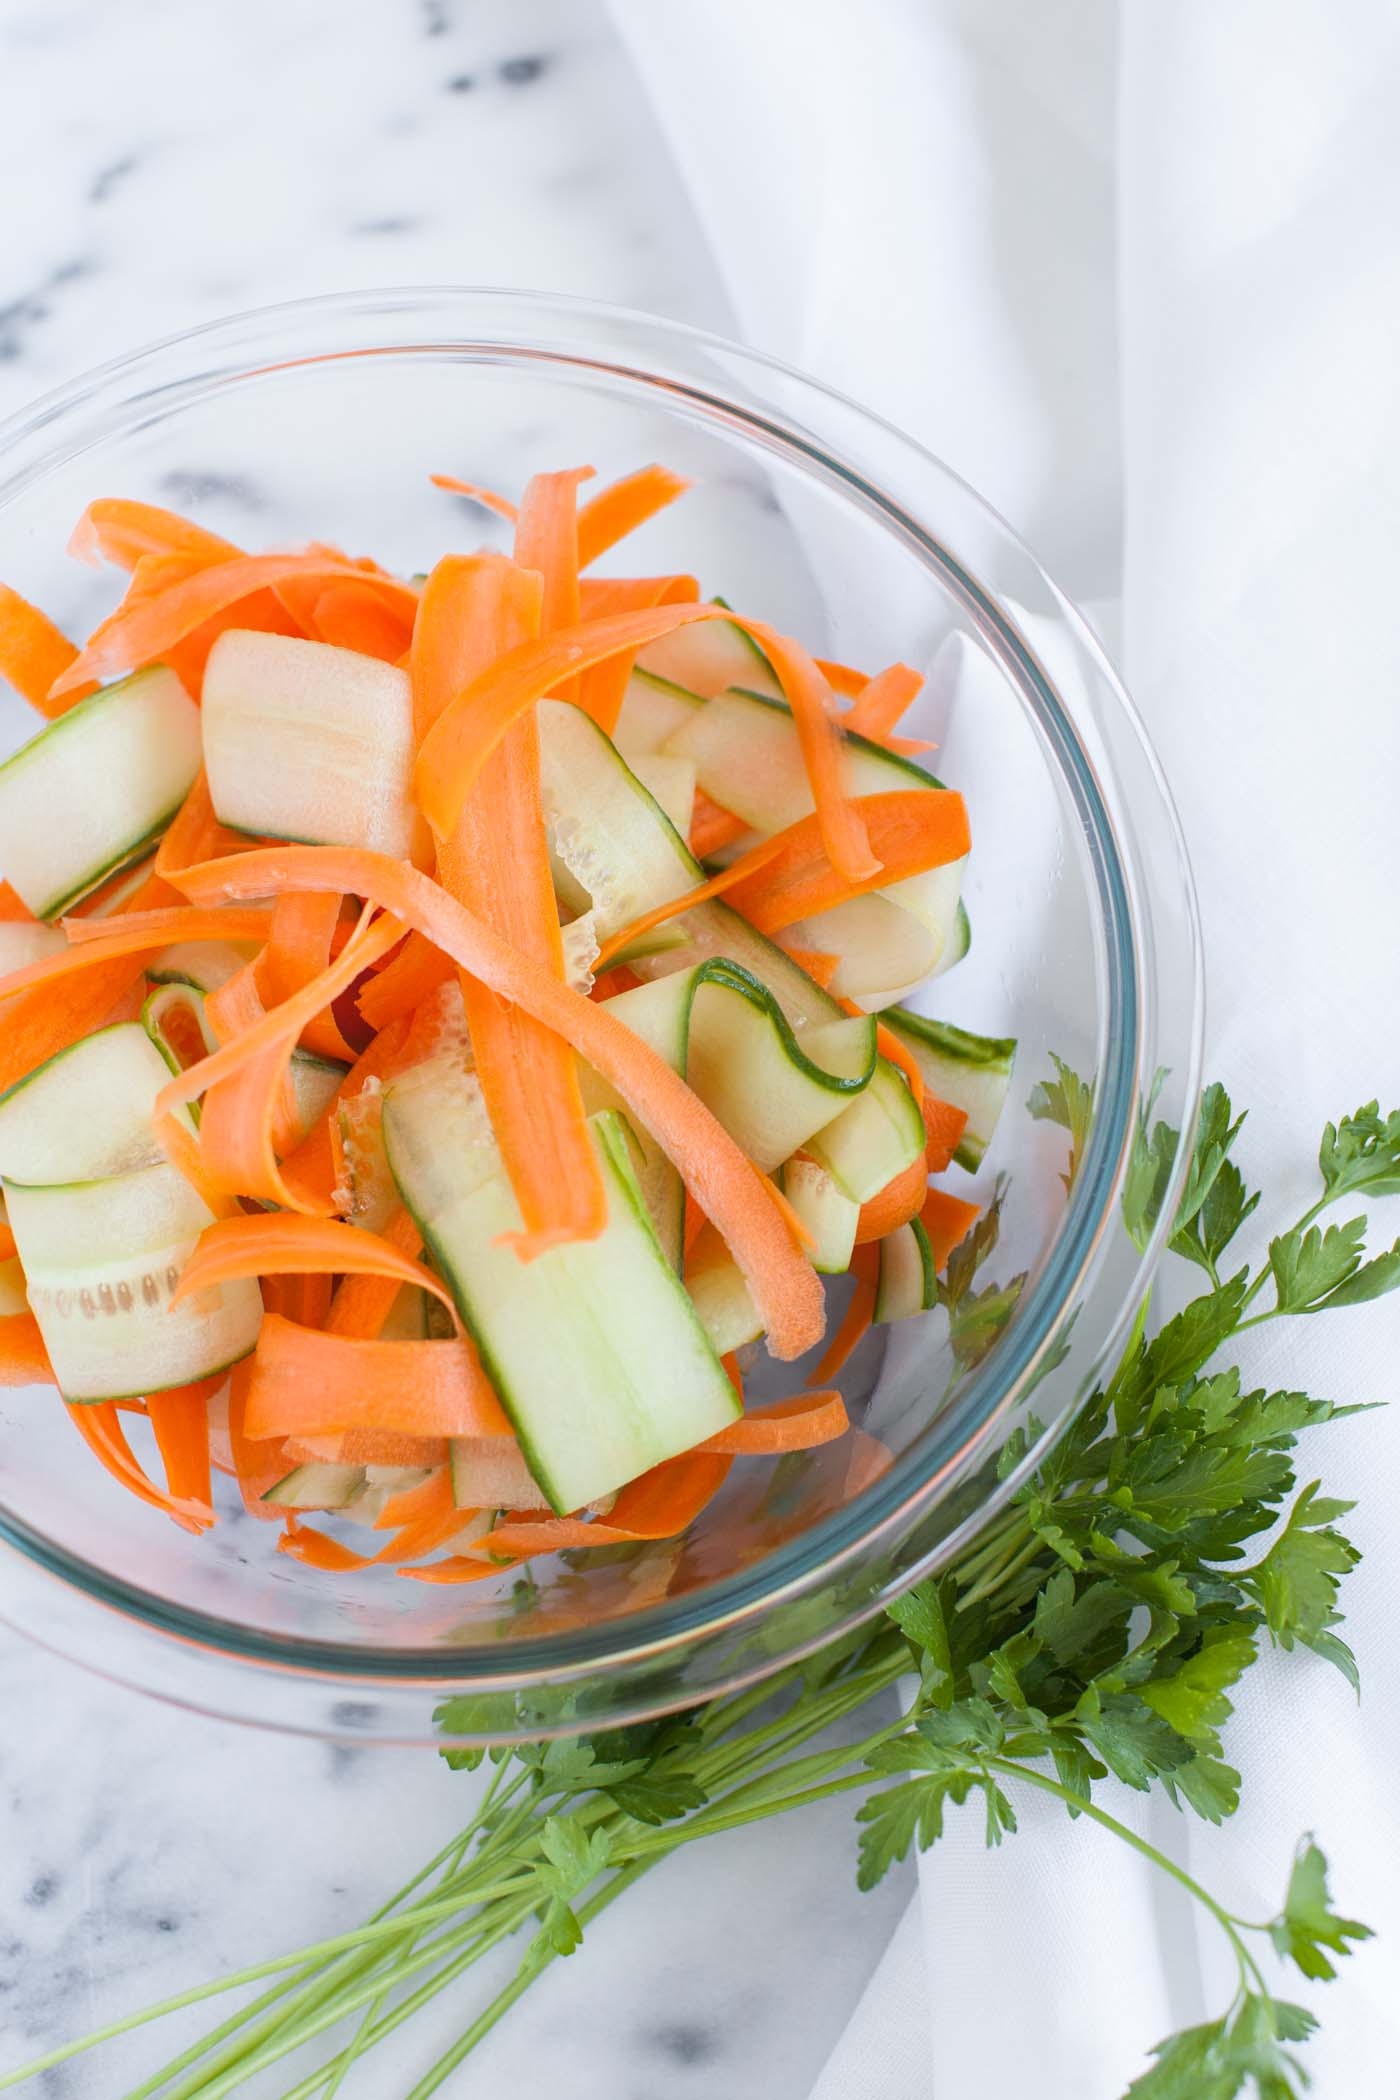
[(893, 1502)]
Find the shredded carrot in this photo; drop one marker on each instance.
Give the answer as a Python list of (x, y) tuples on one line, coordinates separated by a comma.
[(33, 654), (117, 530), (354, 616), (305, 1298), (13, 909), (299, 949), (7, 1242), (820, 968), (945, 1125), (851, 1332), (547, 542), (309, 1384), (99, 1425), (246, 1077), (881, 703), (603, 689), (660, 1505), (258, 1464), (311, 1172), (400, 988), (789, 877), (232, 1009), (870, 1460), (897, 1202), (273, 1244), (459, 743), (711, 826), (487, 498), (180, 1419), (363, 1303), (23, 1358), (496, 862), (195, 835), (370, 1447), (624, 505), (458, 629), (727, 1185), (798, 1424), (304, 1543), (896, 1052), (947, 1220), (842, 678), (146, 631)]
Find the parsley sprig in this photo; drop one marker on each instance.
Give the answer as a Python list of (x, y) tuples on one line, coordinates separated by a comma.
[(1098, 1627)]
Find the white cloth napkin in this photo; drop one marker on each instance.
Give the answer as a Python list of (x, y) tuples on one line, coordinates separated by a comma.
[(1134, 272)]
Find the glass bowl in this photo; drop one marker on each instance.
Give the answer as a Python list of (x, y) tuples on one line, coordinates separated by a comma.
[(324, 419)]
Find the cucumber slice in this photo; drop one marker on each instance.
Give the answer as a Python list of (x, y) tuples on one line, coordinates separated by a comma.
[(491, 1473), (721, 1297), (24, 941), (726, 1034), (175, 1021), (87, 1113), (748, 758), (907, 1284), (652, 710), (971, 1071), (708, 656), (884, 951), (317, 1485), (92, 790), (101, 1259), (671, 784), (612, 838), (205, 964), (594, 1347), (877, 1137), (315, 1084), (305, 741), (826, 1211)]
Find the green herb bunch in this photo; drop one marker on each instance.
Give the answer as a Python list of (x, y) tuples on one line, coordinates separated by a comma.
[(1098, 1626)]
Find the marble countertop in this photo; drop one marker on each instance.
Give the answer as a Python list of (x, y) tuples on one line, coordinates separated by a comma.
[(166, 161)]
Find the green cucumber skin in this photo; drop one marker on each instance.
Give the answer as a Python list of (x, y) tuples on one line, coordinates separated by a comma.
[(174, 1385), (946, 1051), (125, 859), (895, 760)]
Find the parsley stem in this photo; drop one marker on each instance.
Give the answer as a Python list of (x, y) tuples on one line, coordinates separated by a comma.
[(1247, 1965)]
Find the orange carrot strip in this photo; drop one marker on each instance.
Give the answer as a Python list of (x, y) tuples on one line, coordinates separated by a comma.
[(354, 616), (13, 909), (789, 877), (370, 1447), (728, 1187), (298, 949), (870, 1460), (798, 1424), (897, 1202), (711, 826), (7, 1242), (947, 1220), (945, 1125), (457, 1569), (99, 1425), (23, 1358), (195, 835), (842, 678), (430, 1498), (180, 1419), (881, 703), (603, 689), (363, 1303), (851, 1332), (147, 630), (245, 1078), (897, 1052), (462, 739), (404, 983), (33, 653), (99, 940), (547, 541), (487, 498), (117, 530), (911, 831), (269, 1244), (658, 1506), (258, 1464), (305, 1543), (624, 505), (496, 862), (305, 1298), (819, 967), (311, 1172), (458, 630), (232, 1009), (37, 1022), (309, 1384)]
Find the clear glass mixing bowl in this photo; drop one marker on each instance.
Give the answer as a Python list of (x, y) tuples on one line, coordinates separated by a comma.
[(325, 419)]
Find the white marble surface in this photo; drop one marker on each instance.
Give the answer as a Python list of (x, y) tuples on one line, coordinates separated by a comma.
[(162, 162)]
